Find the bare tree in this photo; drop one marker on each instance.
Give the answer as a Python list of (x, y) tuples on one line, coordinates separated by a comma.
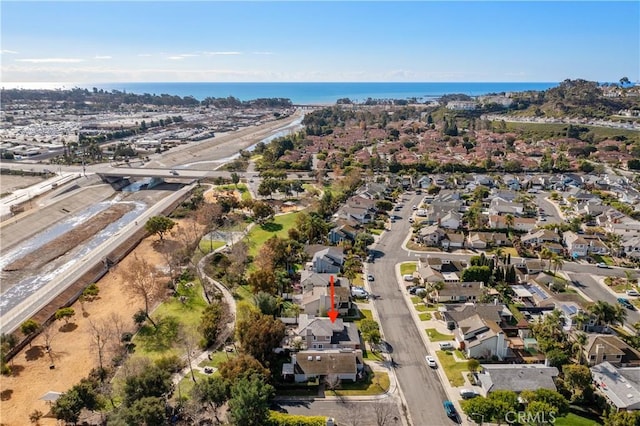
[(140, 278), (49, 333), (332, 382), (189, 342), (102, 333), (353, 413), (238, 257), (384, 412)]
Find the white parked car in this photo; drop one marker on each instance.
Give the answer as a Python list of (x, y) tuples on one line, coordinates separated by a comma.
[(431, 361), (633, 293)]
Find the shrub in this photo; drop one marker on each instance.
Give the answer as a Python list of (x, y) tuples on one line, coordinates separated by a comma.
[(171, 363), (282, 419)]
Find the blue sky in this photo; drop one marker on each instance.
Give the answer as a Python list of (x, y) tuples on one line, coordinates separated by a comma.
[(455, 41)]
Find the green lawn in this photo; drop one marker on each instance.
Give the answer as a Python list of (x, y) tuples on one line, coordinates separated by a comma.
[(408, 267), (169, 317), (375, 385), (243, 293), (453, 370), (375, 231), (416, 299), (364, 313), (217, 358), (186, 384), (207, 246), (425, 316), (575, 420), (436, 336), (279, 227), (421, 307)]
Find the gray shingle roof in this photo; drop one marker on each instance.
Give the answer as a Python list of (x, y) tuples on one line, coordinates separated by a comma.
[(517, 378)]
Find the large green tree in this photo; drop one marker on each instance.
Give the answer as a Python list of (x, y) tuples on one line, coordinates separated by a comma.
[(249, 403), (159, 225), (152, 381), (261, 336), (242, 366), (147, 411), (212, 391), (212, 322)]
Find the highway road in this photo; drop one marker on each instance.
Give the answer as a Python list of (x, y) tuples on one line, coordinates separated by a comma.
[(419, 384), (11, 320)]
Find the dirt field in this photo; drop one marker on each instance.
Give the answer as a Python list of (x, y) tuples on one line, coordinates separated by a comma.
[(73, 356), (9, 183)]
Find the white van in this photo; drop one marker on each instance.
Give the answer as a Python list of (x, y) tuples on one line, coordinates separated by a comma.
[(446, 346)]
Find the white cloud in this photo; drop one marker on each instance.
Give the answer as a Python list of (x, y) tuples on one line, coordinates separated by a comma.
[(8, 52), (144, 55), (51, 60), (182, 56), (102, 57), (222, 53)]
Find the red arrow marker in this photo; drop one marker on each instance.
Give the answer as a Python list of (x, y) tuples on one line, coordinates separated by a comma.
[(332, 313)]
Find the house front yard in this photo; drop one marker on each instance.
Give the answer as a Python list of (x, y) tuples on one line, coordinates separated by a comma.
[(436, 336), (408, 268), (377, 382), (453, 369)]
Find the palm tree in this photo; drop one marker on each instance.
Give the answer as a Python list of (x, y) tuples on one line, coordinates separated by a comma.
[(619, 315), (580, 318), (499, 255), (601, 310), (576, 348), (545, 253), (509, 220), (557, 263), (628, 279)]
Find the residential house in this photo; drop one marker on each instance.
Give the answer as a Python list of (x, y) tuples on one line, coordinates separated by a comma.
[(317, 301), (576, 245), (620, 386), (516, 378), (310, 279), (533, 266), (435, 269), (373, 191), (360, 215), (458, 292), (519, 223), (539, 236), (328, 260), (631, 247), (451, 220), (610, 348), (430, 235), (342, 232), (477, 329), (481, 338), (482, 240), (424, 182), (498, 206), (453, 240), (320, 333), (595, 245), (309, 365)]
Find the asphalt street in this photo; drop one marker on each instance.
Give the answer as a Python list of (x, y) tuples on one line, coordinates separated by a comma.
[(419, 384)]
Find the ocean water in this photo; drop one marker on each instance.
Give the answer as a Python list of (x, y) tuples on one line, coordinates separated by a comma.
[(317, 93)]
